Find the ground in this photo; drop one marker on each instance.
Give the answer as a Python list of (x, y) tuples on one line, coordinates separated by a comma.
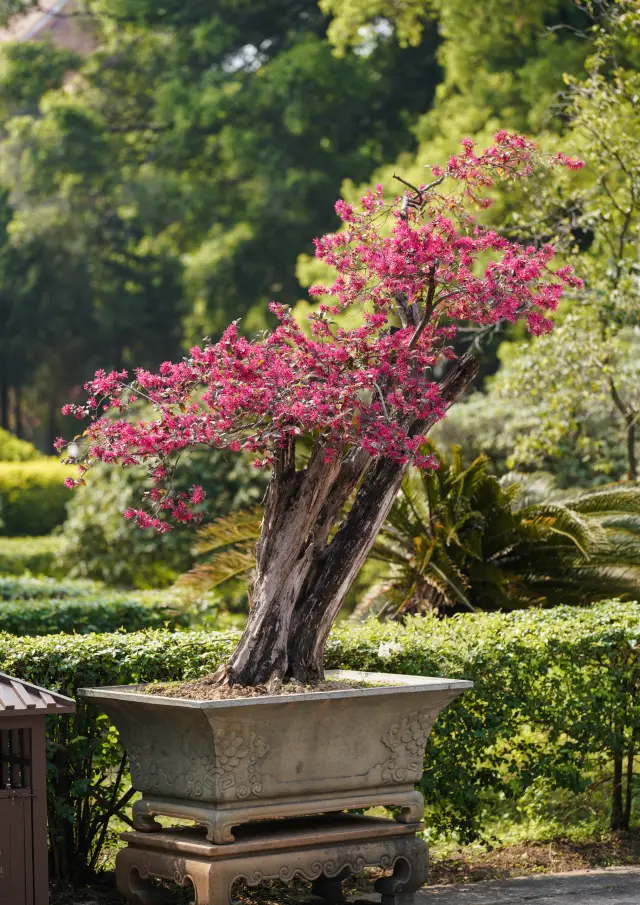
[(614, 886)]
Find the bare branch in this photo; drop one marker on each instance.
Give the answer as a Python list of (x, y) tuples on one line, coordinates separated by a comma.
[(428, 311)]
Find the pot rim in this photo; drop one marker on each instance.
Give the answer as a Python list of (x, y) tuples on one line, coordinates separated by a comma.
[(395, 683)]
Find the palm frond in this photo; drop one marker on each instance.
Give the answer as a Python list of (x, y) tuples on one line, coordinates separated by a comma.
[(228, 544), (616, 498), (223, 567), (237, 527)]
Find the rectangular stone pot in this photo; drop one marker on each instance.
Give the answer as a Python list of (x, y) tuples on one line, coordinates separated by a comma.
[(225, 763)]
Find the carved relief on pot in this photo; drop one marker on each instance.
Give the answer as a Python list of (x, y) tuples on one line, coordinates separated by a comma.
[(407, 740), (200, 779), (141, 745), (224, 763)]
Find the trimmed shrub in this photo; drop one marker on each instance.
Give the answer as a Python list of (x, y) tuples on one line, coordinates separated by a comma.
[(28, 587), (103, 614), (33, 498), (37, 555), (14, 450), (32, 605), (563, 683)]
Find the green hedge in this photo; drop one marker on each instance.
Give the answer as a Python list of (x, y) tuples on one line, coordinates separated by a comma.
[(33, 498), (38, 555), (564, 683), (44, 606), (14, 450), (102, 614), (29, 587)]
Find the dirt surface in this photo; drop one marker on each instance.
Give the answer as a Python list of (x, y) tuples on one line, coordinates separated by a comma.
[(208, 689), (559, 856), (467, 866)]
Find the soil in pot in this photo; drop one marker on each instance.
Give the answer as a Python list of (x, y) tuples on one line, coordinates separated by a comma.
[(208, 689)]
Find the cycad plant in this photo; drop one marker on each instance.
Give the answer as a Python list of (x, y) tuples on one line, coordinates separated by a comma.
[(225, 549), (458, 539)]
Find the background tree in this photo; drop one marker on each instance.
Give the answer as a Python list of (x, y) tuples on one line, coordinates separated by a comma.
[(590, 365)]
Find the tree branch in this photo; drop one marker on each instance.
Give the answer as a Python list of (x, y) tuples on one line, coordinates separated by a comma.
[(428, 311)]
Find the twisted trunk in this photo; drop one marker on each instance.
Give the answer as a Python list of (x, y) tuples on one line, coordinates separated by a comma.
[(283, 558), (303, 576)]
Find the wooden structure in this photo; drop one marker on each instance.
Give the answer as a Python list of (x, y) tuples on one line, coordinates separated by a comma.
[(325, 850), (23, 789)]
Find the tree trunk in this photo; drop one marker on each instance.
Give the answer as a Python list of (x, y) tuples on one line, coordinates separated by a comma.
[(337, 568), (4, 406), (632, 461), (283, 558), (52, 421), (626, 815), (17, 412), (302, 578), (616, 792), (339, 564)]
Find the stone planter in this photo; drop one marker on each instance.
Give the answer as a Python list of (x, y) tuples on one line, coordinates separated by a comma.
[(225, 763)]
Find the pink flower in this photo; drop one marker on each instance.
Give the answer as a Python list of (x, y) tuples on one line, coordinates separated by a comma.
[(196, 494)]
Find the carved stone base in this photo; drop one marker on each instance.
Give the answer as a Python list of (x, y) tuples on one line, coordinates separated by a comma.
[(325, 851), (220, 821)]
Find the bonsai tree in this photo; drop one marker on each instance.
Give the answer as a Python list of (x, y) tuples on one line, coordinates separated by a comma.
[(364, 398)]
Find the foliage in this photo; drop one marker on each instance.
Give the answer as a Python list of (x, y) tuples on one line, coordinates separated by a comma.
[(553, 697), (225, 550), (589, 369), (570, 404), (29, 69), (45, 606), (37, 555), (497, 425), (98, 543), (14, 450), (459, 539), (32, 498), (502, 64), (356, 388)]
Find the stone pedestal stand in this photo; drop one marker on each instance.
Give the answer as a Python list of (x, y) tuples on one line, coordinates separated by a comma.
[(325, 850)]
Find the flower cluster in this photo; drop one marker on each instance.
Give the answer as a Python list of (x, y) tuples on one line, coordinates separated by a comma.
[(413, 275)]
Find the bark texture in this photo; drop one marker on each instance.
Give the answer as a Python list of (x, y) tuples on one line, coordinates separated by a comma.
[(303, 574)]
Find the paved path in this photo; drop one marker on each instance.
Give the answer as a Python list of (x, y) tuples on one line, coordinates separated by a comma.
[(614, 886)]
